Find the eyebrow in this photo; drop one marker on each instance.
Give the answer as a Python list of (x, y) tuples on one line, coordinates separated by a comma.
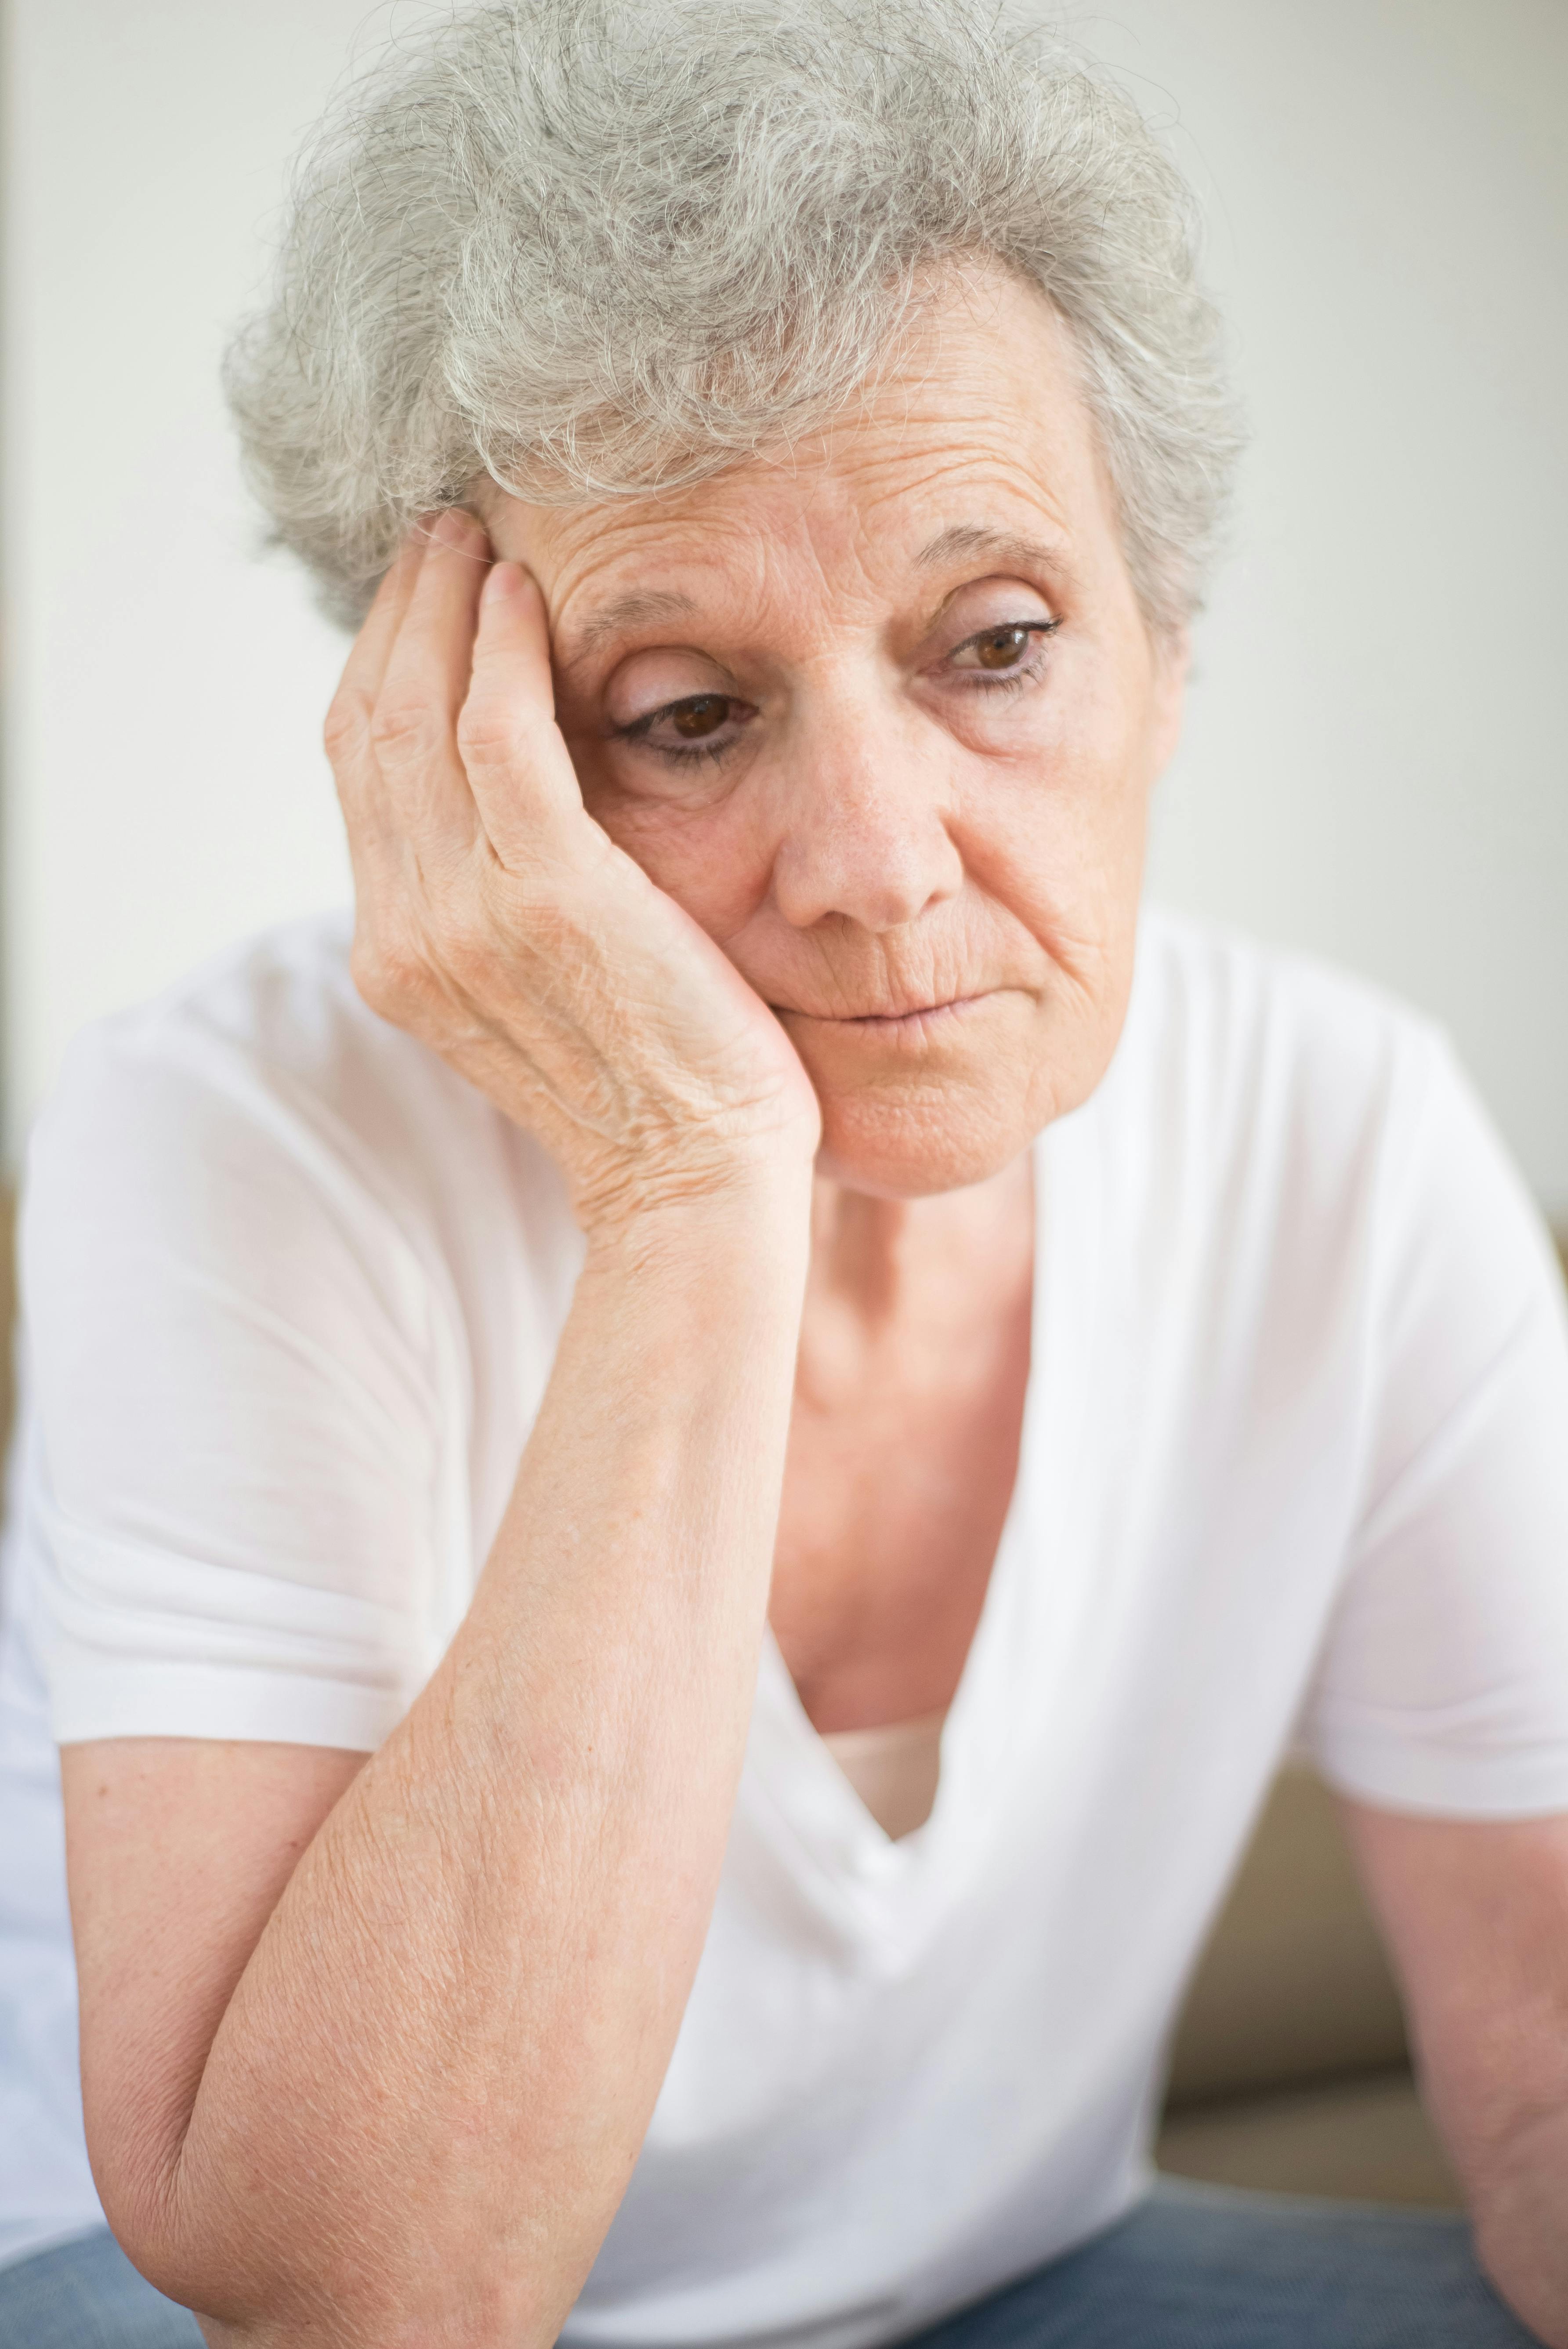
[(633, 610), (965, 540)]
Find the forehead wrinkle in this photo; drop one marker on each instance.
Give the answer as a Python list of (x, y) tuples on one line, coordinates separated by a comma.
[(596, 548), (1046, 498), (826, 534), (748, 570)]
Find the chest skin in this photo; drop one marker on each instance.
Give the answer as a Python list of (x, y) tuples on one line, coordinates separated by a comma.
[(903, 1456)]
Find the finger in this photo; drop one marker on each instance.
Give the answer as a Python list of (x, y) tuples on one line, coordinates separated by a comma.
[(519, 768), (432, 652), (347, 731), (422, 780), (366, 663)]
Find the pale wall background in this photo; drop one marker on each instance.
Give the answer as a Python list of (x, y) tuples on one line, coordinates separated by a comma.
[(1376, 765)]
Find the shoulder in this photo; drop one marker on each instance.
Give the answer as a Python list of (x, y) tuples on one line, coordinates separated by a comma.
[(273, 1023), (259, 1121), (1258, 1064), (1312, 1135), (1262, 1021), (269, 1049)]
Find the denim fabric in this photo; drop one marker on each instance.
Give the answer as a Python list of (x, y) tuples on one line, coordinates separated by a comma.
[(85, 2294), (1198, 2267), (1192, 2267)]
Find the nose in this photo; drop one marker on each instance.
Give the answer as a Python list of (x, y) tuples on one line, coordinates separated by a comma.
[(863, 833)]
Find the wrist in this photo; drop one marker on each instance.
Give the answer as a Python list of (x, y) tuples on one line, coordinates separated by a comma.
[(756, 1218)]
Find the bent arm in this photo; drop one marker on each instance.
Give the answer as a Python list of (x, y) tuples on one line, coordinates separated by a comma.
[(1476, 1913), (381, 2076)]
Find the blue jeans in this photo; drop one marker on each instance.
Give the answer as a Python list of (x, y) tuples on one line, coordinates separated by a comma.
[(1192, 2267)]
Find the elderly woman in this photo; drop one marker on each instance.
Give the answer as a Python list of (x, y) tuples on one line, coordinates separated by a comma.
[(677, 1505)]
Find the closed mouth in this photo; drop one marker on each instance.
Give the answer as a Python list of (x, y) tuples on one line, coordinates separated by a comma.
[(912, 1016)]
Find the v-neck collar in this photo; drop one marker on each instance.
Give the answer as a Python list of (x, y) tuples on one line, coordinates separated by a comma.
[(793, 1792)]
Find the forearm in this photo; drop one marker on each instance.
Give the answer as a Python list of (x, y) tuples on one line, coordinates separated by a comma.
[(426, 2096), (1476, 1913)]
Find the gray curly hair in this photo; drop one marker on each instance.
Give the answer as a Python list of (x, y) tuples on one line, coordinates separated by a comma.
[(596, 248)]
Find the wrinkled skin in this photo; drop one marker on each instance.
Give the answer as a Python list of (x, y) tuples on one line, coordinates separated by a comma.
[(877, 717)]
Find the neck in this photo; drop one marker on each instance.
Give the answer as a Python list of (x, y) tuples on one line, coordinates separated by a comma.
[(883, 1268)]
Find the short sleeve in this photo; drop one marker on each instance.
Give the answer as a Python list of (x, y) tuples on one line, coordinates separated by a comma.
[(231, 1480), (1443, 1682)]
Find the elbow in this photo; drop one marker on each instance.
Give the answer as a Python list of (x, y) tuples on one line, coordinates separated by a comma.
[(1526, 2284), (174, 2247), (180, 2268), (287, 2270), (244, 2296), (1518, 2211)]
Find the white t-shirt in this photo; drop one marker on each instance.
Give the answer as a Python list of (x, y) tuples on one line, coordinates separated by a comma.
[(1294, 1463)]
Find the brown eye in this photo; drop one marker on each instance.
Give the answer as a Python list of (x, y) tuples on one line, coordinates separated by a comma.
[(1001, 648), (705, 713)]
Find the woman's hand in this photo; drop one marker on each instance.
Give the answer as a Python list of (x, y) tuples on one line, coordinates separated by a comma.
[(498, 923)]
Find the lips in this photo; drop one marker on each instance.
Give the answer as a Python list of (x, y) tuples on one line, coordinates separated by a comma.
[(891, 1017), (912, 1011)]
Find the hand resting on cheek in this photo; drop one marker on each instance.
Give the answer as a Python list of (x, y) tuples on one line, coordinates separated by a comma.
[(498, 923)]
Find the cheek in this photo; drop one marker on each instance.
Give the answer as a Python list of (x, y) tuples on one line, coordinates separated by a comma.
[(1058, 839), (700, 851), (1095, 767)]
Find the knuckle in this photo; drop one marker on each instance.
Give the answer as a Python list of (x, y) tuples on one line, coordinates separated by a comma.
[(488, 732), (346, 725), (389, 973), (404, 726), (369, 971), (476, 934), (471, 964)]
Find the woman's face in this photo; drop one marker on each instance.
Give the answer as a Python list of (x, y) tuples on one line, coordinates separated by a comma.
[(882, 714)]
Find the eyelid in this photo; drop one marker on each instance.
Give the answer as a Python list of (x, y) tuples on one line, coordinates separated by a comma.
[(1046, 627), (706, 750), (632, 730)]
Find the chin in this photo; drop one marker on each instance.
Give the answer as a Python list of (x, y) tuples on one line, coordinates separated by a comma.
[(910, 1147), (913, 1108)]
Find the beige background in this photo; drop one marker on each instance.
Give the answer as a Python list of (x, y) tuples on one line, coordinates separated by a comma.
[(1374, 767)]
